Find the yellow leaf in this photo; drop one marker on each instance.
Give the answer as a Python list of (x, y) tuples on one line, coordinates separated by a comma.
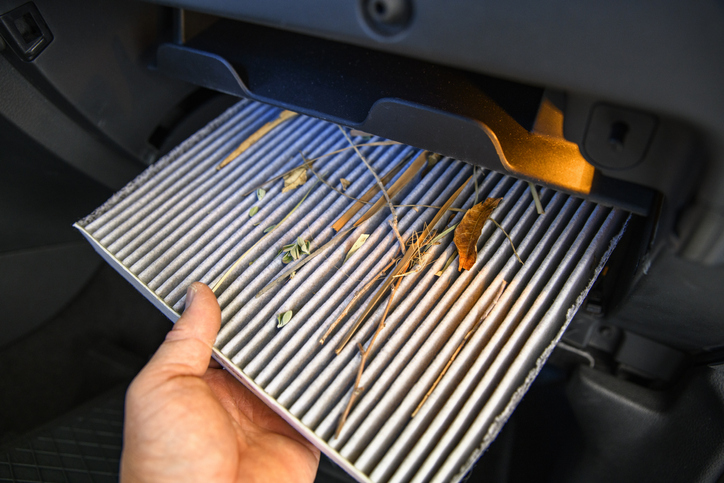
[(360, 241), (469, 229), (295, 179)]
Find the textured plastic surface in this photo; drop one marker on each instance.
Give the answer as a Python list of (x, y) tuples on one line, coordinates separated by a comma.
[(83, 446)]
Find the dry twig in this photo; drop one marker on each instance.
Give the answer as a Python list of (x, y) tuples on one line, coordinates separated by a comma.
[(301, 263), (536, 199), (283, 116), (327, 183), (401, 267), (364, 200), (396, 187), (469, 334), (357, 388), (509, 239), (312, 160), (382, 187), (354, 300)]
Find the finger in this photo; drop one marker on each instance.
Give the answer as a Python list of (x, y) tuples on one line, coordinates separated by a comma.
[(188, 346)]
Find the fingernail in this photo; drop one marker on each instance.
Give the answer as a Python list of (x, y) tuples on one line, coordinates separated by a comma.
[(190, 294)]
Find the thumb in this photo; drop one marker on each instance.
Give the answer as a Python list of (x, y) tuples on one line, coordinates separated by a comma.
[(188, 346)]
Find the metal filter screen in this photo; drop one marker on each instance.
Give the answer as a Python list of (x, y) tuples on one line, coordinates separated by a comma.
[(182, 221)]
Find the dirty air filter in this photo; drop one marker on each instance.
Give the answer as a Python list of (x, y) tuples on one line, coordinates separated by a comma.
[(183, 220)]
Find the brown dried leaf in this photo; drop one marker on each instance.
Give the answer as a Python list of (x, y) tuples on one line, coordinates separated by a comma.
[(345, 183), (295, 179), (469, 229)]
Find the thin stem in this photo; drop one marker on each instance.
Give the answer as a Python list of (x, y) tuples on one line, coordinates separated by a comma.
[(509, 239), (460, 346), (382, 187), (357, 388)]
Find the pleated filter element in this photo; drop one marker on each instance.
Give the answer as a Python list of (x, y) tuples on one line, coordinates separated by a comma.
[(454, 349)]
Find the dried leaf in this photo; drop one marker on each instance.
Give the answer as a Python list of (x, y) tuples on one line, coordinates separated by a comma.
[(360, 241), (432, 160), (357, 132), (260, 193), (295, 179), (304, 246), (229, 271), (287, 258), (253, 211), (345, 183), (469, 229), (269, 228), (283, 319)]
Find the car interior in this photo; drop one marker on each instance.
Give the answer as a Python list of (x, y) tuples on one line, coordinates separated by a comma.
[(92, 94)]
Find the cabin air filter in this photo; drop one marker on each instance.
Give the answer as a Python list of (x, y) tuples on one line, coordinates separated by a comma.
[(458, 348)]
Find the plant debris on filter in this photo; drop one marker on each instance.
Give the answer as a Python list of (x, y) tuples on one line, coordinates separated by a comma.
[(469, 229), (295, 250), (401, 268), (469, 334), (295, 179), (284, 318), (357, 244), (283, 116)]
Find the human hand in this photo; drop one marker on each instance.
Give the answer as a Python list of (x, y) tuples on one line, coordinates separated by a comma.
[(188, 421)]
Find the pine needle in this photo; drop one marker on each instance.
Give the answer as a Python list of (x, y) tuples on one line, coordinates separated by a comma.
[(365, 352), (260, 133), (401, 267), (447, 264), (461, 345), (382, 187), (509, 239)]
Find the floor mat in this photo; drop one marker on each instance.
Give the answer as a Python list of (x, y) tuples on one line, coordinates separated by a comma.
[(84, 446)]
